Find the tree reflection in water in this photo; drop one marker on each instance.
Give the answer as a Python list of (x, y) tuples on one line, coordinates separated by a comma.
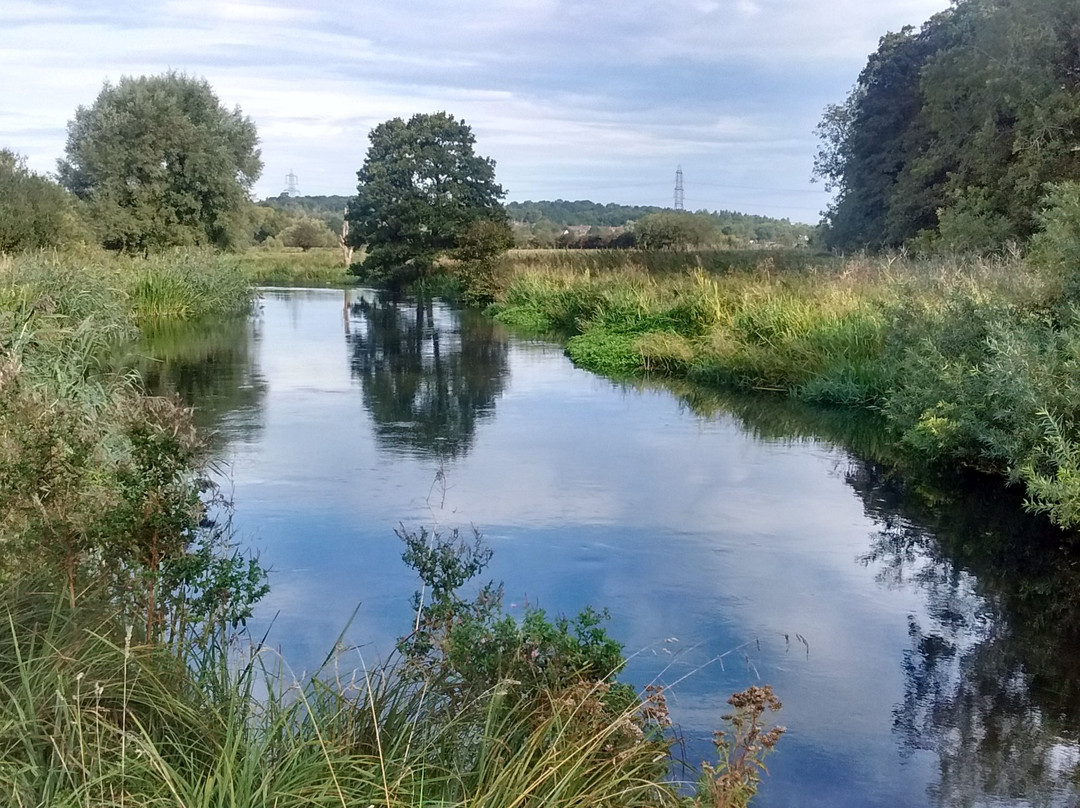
[(429, 374), (209, 365), (992, 675)]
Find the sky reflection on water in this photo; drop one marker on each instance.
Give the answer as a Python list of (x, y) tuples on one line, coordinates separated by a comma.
[(726, 559)]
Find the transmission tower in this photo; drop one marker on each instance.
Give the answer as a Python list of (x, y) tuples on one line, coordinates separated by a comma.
[(678, 189), (291, 189)]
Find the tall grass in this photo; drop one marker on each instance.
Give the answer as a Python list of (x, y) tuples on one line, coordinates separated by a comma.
[(294, 267), (120, 683), (91, 717), (973, 361), (121, 291)]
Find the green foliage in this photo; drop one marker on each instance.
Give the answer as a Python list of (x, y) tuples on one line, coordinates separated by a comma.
[(308, 233), (330, 210), (267, 223), (35, 212), (674, 230), (1056, 247), (970, 224), (478, 249), (953, 131), (420, 190), (160, 163), (602, 351), (470, 646)]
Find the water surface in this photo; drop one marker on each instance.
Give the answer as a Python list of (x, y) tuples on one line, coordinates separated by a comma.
[(923, 640)]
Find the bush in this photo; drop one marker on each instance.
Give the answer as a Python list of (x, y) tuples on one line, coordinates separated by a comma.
[(35, 212), (308, 233), (1056, 247)]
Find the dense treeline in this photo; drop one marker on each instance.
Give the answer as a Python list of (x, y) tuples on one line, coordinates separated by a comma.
[(330, 210), (557, 224), (563, 212), (953, 131)]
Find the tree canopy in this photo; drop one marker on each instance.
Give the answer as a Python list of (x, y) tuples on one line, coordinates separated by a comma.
[(160, 163), (674, 230), (35, 212), (420, 190), (953, 131)]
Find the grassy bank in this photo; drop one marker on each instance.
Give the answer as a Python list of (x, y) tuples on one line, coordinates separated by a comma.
[(971, 362), (121, 682), (92, 718), (320, 266)]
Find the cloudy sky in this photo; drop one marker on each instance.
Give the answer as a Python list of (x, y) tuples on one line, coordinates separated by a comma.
[(574, 99)]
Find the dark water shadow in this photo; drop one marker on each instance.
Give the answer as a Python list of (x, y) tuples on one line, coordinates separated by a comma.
[(992, 674)]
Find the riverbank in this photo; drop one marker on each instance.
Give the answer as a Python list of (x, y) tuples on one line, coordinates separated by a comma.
[(121, 591), (319, 266), (972, 363)]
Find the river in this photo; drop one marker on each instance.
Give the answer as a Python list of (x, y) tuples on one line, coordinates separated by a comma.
[(923, 640)]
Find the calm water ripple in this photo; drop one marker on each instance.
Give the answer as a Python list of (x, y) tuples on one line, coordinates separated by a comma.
[(924, 642)]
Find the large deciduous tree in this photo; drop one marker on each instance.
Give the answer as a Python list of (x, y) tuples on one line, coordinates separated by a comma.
[(421, 193), (161, 163)]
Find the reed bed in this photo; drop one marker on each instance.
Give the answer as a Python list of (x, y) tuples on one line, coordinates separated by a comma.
[(114, 289)]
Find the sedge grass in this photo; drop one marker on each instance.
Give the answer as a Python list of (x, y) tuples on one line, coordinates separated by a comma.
[(90, 718)]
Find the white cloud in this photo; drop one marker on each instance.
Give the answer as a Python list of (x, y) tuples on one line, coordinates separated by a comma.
[(556, 90)]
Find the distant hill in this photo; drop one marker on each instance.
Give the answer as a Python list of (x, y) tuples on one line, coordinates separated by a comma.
[(745, 227), (582, 212), (318, 207)]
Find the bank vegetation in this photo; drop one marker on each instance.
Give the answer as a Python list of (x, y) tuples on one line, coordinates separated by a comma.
[(973, 361)]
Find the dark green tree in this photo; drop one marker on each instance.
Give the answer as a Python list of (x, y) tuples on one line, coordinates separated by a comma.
[(307, 233), (674, 230), (953, 131), (871, 144), (161, 163), (421, 188), (35, 212)]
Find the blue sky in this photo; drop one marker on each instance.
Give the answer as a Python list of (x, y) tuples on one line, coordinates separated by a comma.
[(574, 99)]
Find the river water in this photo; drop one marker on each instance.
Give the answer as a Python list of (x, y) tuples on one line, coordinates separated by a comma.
[(923, 640)]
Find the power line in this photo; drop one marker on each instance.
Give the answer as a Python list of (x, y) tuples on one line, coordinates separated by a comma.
[(291, 188)]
